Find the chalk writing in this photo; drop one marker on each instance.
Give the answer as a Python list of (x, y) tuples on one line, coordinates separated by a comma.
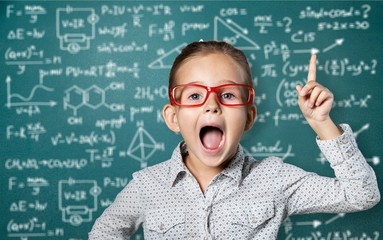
[(85, 84)]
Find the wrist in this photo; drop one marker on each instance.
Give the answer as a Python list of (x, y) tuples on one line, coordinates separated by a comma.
[(326, 130)]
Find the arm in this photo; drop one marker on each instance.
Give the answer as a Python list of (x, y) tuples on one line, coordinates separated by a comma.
[(354, 187), (121, 219)]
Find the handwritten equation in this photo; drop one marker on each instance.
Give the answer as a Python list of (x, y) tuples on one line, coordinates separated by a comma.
[(84, 84)]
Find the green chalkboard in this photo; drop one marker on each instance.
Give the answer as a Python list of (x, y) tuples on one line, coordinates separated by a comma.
[(83, 84)]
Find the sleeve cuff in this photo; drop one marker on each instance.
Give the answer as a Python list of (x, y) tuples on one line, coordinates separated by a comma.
[(341, 148)]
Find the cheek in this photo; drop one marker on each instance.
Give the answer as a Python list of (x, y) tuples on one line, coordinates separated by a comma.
[(186, 119), (238, 121)]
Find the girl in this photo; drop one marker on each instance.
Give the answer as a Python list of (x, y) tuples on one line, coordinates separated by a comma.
[(209, 189)]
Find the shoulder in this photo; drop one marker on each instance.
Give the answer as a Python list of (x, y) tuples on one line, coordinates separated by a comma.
[(270, 166), (269, 162)]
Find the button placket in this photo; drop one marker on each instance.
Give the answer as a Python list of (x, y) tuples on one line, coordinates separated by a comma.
[(210, 195), (207, 215)]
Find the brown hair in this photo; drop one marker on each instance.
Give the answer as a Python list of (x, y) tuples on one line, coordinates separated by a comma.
[(204, 48)]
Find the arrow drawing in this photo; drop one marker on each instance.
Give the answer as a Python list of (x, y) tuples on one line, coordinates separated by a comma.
[(314, 223), (340, 215), (338, 42), (374, 160), (364, 128), (312, 51)]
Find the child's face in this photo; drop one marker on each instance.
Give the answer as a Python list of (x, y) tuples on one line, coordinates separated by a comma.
[(211, 131)]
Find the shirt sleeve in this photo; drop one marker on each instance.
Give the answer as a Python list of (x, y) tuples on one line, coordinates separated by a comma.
[(354, 187), (122, 218)]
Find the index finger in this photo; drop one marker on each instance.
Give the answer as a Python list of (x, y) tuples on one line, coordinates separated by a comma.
[(312, 75)]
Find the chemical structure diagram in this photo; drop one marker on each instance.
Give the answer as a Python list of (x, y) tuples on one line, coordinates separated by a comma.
[(93, 97)]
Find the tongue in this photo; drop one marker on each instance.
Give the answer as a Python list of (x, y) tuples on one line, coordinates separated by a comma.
[(211, 138)]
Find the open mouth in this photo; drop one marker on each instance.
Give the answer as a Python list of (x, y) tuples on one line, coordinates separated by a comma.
[(211, 137)]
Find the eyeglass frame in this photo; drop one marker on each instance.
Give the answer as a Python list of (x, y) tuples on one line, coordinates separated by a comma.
[(209, 90)]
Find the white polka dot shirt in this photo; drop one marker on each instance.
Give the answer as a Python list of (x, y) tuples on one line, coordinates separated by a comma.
[(248, 200)]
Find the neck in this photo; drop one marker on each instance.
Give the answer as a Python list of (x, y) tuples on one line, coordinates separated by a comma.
[(203, 174)]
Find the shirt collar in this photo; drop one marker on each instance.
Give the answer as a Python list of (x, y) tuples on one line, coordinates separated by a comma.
[(235, 169), (178, 169)]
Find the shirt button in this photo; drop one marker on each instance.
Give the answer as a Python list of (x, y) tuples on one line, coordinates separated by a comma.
[(350, 153), (162, 226), (344, 140)]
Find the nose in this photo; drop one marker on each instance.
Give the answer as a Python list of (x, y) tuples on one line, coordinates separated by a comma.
[(212, 104)]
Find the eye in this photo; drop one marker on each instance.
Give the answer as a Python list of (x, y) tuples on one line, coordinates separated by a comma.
[(194, 96), (230, 94), (227, 96)]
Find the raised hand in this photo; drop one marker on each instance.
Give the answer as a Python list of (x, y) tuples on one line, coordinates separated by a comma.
[(315, 102)]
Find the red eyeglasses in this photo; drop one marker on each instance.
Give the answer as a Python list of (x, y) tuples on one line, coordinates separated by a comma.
[(194, 95)]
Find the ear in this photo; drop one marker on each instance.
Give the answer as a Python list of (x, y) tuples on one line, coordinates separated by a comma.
[(251, 116), (170, 117)]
